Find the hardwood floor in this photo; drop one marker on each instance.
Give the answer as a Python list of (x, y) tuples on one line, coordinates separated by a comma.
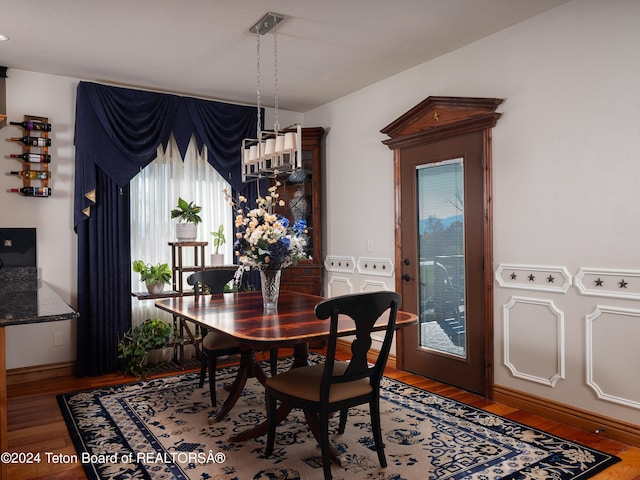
[(36, 425)]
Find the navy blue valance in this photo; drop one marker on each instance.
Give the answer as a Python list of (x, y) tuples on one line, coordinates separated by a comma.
[(119, 130)]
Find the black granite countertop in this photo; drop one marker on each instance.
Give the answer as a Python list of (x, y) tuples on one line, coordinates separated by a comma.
[(26, 299)]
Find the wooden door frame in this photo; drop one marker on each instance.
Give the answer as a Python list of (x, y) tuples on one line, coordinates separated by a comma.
[(434, 119)]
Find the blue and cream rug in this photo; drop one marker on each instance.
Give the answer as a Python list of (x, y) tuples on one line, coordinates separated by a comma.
[(158, 429)]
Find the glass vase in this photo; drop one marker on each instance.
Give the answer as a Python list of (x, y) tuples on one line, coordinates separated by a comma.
[(270, 280)]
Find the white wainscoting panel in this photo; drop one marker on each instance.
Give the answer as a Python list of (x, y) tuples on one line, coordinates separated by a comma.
[(342, 264), (339, 286), (376, 266), (534, 347), (612, 335), (534, 277), (607, 282), (373, 286)]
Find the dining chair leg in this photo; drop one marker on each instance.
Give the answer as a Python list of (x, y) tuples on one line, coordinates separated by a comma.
[(343, 420), (323, 428), (203, 367), (212, 364), (374, 409)]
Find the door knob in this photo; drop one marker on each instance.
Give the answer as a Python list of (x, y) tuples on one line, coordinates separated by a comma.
[(406, 261), (406, 277)]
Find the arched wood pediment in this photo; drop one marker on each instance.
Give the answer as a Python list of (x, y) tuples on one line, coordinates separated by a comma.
[(436, 118)]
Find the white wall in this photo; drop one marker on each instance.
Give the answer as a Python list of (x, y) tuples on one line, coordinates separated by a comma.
[(53, 97), (565, 182)]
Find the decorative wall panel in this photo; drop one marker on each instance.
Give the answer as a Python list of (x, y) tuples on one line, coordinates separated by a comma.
[(375, 266), (605, 282), (339, 286), (612, 335), (534, 277), (534, 340), (373, 286), (335, 263)]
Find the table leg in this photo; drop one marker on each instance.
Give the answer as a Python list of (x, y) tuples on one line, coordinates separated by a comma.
[(281, 414), (312, 421), (300, 355), (262, 428), (248, 368), (300, 359)]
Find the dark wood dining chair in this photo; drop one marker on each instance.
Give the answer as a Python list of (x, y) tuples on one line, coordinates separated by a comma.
[(333, 385), (215, 345)]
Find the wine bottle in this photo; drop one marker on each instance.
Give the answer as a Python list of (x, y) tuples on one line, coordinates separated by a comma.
[(33, 191), (33, 174), (33, 125), (33, 141), (33, 157)]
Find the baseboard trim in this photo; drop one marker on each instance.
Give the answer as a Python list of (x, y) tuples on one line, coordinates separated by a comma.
[(569, 415), (17, 376)]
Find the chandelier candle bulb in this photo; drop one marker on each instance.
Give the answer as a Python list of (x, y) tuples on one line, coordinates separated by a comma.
[(33, 141), (253, 153), (270, 147), (290, 141)]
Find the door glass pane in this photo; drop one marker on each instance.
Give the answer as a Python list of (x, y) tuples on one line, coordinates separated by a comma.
[(440, 197)]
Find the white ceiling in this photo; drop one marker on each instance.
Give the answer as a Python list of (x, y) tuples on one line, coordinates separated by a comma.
[(203, 48)]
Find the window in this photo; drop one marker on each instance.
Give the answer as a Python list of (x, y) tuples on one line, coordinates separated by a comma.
[(154, 193)]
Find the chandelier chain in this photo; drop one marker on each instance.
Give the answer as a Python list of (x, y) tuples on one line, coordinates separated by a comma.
[(276, 125), (259, 118)]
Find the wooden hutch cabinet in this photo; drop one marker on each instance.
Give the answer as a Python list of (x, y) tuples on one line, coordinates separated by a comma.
[(302, 194)]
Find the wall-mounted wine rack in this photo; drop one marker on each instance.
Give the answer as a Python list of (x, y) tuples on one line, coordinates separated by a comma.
[(35, 153)]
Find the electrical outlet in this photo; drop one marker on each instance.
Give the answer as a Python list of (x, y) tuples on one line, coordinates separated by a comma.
[(369, 245), (58, 340)]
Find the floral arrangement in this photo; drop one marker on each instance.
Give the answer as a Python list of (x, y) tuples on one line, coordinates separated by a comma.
[(265, 240)]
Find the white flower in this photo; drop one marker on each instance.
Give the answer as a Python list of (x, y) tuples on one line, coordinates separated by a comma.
[(264, 239)]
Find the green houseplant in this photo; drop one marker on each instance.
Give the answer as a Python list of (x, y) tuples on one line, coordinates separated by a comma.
[(136, 343), (155, 276), (188, 215), (219, 240)]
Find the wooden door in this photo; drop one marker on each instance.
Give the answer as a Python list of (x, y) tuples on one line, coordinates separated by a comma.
[(443, 230)]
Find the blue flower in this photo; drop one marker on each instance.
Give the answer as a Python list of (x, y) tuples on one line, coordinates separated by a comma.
[(280, 249), (300, 226), (284, 221)]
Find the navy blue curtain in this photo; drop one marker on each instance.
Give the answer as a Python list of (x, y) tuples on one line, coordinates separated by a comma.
[(117, 133), (105, 302)]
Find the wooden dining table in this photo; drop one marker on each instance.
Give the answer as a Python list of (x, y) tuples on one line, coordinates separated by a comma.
[(242, 316)]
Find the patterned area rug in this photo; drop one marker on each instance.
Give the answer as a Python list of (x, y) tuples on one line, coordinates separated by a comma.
[(158, 429)]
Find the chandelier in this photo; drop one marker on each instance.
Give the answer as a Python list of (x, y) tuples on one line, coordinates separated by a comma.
[(276, 151)]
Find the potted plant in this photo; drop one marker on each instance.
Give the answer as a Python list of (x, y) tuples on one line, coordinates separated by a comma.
[(155, 276), (219, 240), (188, 217), (137, 342)]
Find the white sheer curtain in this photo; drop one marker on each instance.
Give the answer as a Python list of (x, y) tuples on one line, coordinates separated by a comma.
[(154, 193)]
